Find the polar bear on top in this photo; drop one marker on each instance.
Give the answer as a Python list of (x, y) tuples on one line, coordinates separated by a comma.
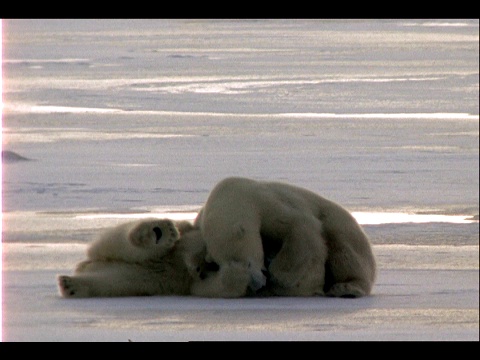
[(305, 244), (250, 238)]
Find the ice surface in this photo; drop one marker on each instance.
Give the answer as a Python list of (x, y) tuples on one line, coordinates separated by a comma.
[(421, 298), (135, 118)]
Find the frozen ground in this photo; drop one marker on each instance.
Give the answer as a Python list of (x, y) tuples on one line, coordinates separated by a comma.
[(427, 289), (125, 118)]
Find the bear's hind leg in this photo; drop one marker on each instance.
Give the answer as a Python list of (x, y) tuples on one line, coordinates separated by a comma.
[(109, 279), (72, 287)]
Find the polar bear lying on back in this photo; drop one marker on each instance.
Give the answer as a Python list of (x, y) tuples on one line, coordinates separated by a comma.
[(306, 244), (138, 258), (250, 238)]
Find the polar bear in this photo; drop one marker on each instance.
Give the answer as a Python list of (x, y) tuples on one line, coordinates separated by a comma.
[(143, 257), (279, 239), (250, 238)]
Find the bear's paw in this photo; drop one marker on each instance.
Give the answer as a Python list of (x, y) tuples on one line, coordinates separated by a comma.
[(346, 290), (71, 288), (154, 232)]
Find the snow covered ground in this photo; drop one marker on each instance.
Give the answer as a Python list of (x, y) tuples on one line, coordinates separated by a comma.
[(138, 118), (423, 292)]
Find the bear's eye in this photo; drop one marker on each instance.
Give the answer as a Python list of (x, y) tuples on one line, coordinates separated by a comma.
[(158, 233)]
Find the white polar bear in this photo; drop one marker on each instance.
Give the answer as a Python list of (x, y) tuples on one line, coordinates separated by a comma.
[(307, 245), (143, 257), (251, 238)]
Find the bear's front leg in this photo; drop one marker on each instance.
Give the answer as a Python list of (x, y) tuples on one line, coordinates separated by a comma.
[(230, 281), (298, 269), (350, 289)]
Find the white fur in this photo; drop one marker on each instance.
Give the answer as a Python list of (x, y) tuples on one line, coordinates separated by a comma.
[(323, 250), (131, 260), (305, 244)]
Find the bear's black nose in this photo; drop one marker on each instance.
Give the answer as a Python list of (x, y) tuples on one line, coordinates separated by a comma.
[(158, 233)]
